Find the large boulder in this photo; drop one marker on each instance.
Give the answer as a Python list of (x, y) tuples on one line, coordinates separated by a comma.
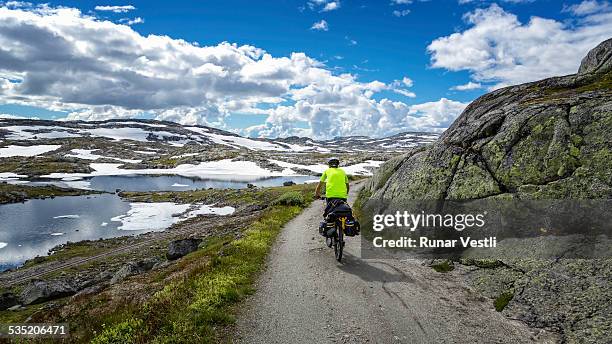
[(546, 139), (598, 59), (41, 291), (133, 268), (180, 248), (550, 139)]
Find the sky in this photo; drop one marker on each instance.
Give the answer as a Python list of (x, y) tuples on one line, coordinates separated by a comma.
[(276, 68)]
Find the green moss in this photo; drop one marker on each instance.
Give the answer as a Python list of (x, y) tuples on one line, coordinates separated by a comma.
[(443, 267), (502, 301)]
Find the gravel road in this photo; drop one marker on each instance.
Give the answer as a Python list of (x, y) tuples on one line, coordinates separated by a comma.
[(305, 296)]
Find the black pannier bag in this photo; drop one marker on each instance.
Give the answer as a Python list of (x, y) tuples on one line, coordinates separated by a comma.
[(343, 210)]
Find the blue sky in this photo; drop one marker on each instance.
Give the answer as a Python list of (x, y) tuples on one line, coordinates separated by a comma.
[(377, 43)]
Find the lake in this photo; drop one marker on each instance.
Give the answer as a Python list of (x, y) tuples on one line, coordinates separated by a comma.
[(30, 229)]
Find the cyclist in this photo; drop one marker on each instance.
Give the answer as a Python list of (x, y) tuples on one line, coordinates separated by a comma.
[(336, 185)]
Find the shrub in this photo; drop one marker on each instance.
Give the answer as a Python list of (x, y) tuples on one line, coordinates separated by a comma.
[(121, 333), (290, 198)]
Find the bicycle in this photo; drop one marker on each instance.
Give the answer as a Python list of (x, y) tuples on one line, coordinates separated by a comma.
[(336, 235)]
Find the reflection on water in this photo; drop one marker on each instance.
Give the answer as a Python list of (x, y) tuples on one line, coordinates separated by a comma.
[(176, 183), (30, 229)]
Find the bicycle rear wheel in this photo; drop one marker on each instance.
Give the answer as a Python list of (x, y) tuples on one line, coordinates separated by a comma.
[(339, 244)]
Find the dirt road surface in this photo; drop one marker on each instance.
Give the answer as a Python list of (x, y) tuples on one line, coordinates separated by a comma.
[(305, 296)]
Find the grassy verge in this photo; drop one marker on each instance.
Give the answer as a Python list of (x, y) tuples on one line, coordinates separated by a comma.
[(193, 308)]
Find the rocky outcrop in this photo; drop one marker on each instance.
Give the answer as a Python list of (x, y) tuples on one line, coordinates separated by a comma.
[(550, 139), (180, 248), (598, 59), (41, 291), (133, 268)]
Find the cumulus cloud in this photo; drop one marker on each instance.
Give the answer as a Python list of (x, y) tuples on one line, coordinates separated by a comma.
[(401, 13), (588, 7), (497, 48), (467, 87), (331, 6), (115, 9), (320, 26), (61, 59), (323, 5)]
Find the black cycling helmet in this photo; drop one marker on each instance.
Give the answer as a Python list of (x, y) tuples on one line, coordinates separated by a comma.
[(333, 162)]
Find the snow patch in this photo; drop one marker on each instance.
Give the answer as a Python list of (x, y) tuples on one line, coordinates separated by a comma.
[(3, 244), (210, 210), (150, 217), (87, 154), (12, 150), (177, 185), (220, 169), (357, 169), (66, 217)]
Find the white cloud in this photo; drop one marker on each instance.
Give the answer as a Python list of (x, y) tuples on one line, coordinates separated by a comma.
[(129, 21), (115, 9), (96, 69), (17, 4), (405, 93), (334, 5), (498, 48), (320, 26), (401, 13), (401, 2), (588, 7), (462, 2), (469, 86), (324, 5)]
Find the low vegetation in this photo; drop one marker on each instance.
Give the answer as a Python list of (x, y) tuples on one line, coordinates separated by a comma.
[(10, 193), (190, 300), (220, 274)]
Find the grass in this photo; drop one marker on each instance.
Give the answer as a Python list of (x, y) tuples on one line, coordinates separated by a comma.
[(217, 276), (290, 198)]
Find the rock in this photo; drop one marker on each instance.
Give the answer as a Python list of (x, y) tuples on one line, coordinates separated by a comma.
[(598, 59), (41, 291), (8, 300), (180, 248), (288, 183), (15, 308), (251, 186), (254, 207), (549, 139), (133, 268)]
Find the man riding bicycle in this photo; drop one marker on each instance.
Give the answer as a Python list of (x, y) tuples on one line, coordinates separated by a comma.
[(336, 185)]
